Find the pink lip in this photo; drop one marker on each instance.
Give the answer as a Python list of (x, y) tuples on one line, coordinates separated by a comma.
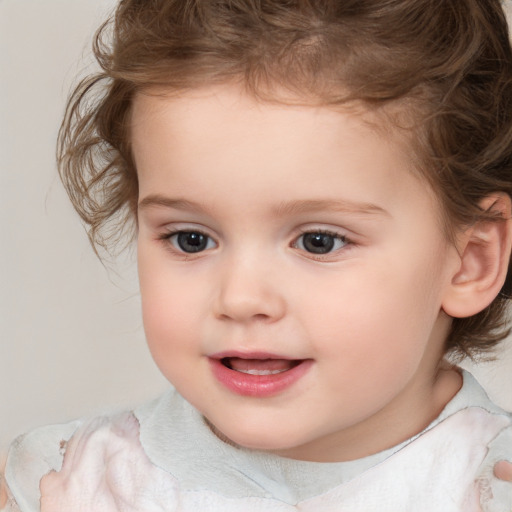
[(246, 384)]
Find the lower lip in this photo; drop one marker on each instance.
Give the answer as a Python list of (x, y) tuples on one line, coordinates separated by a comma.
[(261, 386)]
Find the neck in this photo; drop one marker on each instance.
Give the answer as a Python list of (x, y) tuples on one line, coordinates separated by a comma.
[(406, 416)]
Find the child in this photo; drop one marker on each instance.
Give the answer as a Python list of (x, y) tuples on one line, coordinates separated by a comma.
[(321, 196)]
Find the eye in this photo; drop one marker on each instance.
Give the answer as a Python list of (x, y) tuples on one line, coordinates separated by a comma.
[(190, 241), (320, 242)]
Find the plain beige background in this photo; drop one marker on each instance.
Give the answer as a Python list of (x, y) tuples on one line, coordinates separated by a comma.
[(71, 338)]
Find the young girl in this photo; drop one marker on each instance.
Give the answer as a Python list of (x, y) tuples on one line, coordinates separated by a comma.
[(321, 197)]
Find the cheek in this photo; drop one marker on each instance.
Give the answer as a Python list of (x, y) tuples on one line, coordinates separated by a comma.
[(167, 321), (375, 316), (164, 299), (166, 309)]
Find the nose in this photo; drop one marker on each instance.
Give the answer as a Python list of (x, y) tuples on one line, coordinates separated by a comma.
[(248, 292)]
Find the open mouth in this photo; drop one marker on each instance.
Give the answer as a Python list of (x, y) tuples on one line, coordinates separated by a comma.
[(257, 374), (260, 366)]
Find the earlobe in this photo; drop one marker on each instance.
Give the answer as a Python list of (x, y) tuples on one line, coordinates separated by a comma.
[(485, 253)]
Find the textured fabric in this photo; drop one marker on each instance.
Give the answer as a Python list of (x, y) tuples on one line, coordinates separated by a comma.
[(163, 457)]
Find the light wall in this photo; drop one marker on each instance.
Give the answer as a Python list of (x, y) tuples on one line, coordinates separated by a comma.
[(71, 339)]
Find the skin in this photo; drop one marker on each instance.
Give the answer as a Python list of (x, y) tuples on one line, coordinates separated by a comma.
[(503, 470), (368, 315)]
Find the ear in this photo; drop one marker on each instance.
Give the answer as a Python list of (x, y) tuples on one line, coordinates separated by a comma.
[(485, 253)]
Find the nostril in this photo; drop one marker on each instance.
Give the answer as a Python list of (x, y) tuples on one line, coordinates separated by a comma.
[(261, 316)]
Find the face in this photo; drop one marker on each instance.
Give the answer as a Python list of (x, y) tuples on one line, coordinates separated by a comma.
[(292, 270)]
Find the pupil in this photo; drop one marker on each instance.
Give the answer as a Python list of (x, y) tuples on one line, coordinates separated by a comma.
[(190, 241), (318, 243)]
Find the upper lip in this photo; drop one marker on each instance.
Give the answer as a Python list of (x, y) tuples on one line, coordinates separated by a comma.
[(250, 355)]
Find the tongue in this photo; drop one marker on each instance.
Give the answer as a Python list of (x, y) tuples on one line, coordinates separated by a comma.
[(270, 365)]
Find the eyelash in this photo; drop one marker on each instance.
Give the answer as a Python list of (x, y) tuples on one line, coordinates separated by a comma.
[(167, 239), (323, 232)]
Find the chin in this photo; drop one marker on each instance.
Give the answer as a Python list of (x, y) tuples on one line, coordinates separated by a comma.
[(254, 440)]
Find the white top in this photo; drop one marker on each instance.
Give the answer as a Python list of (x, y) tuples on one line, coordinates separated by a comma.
[(164, 457)]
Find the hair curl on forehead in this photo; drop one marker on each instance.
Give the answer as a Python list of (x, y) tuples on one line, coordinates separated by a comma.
[(443, 67)]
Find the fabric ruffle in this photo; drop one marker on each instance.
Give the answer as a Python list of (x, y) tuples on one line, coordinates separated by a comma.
[(105, 469)]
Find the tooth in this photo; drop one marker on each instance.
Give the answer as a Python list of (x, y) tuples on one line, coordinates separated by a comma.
[(261, 372)]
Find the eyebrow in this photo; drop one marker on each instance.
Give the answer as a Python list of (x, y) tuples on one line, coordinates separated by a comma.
[(169, 202), (316, 205), (283, 209)]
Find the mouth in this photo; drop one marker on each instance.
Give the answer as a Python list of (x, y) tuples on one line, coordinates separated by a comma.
[(257, 375), (267, 366)]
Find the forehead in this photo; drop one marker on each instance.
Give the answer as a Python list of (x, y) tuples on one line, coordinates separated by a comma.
[(192, 113), (221, 134)]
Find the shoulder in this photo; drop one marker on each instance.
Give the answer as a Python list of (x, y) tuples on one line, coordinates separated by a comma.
[(30, 457), (83, 466), (484, 431), (496, 494)]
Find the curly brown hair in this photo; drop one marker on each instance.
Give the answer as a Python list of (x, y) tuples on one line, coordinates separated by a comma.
[(446, 64)]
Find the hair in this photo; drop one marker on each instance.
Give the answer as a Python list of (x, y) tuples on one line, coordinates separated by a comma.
[(445, 63)]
